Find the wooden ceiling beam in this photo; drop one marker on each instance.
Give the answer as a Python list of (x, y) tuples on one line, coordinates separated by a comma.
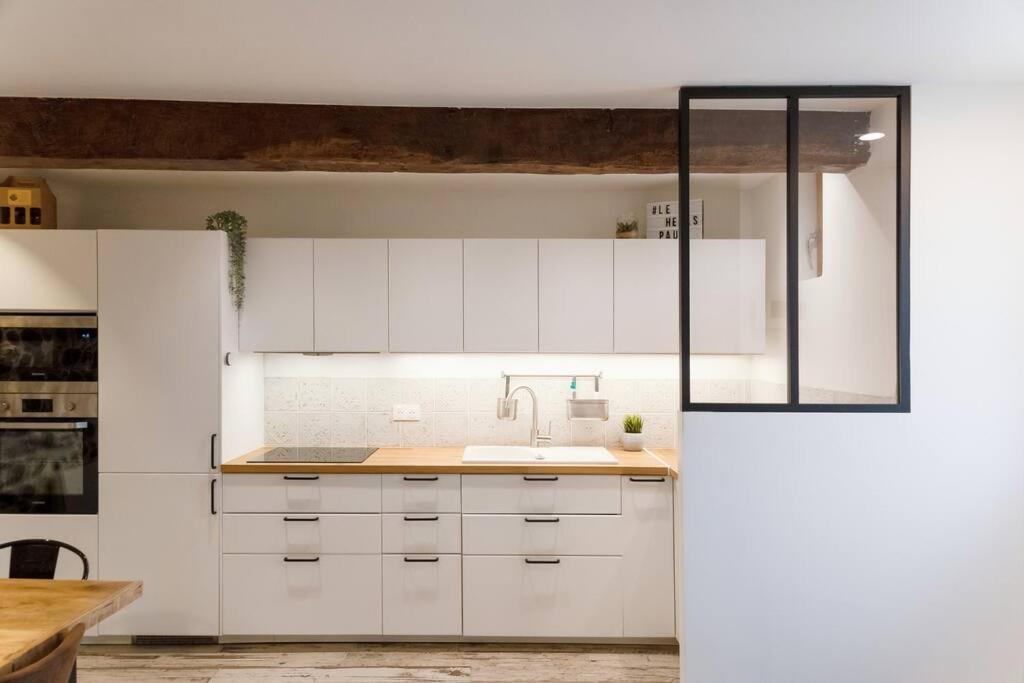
[(176, 135)]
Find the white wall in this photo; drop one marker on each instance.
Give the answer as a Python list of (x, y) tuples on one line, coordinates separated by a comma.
[(885, 548)]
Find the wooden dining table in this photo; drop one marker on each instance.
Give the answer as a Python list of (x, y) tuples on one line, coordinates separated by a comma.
[(35, 613)]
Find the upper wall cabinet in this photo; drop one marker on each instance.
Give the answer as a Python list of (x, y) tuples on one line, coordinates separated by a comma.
[(576, 296), (425, 295), (727, 296), (48, 270), (646, 296), (500, 279), (350, 294), (278, 310)]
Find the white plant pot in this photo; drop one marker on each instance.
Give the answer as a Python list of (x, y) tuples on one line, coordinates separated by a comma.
[(633, 442)]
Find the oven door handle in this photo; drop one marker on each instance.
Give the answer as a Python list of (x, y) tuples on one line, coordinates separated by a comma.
[(44, 426)]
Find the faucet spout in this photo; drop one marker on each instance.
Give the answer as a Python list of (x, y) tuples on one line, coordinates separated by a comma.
[(507, 412)]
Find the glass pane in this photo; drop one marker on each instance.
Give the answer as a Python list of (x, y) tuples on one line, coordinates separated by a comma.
[(737, 331), (847, 251)]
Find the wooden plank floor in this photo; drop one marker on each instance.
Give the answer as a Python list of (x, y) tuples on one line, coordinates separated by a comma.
[(366, 662)]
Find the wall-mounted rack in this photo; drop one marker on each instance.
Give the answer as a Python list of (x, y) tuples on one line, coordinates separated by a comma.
[(576, 408)]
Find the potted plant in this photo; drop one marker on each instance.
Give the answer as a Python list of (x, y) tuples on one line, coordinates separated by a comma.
[(632, 437), (627, 227), (234, 224)]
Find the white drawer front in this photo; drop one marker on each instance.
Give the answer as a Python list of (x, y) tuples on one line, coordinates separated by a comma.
[(419, 532), (302, 533), (336, 595), (526, 493), (420, 493), (542, 535), (422, 595), (302, 493), (580, 597)]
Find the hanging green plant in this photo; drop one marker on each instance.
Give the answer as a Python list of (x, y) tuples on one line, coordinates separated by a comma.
[(234, 224)]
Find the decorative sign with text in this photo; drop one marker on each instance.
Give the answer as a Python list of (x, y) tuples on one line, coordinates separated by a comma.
[(663, 220)]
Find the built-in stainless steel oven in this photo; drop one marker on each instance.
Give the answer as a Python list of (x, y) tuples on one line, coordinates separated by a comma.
[(48, 414), (48, 454)]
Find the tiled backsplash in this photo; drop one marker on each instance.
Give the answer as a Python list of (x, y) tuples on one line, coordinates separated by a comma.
[(325, 411)]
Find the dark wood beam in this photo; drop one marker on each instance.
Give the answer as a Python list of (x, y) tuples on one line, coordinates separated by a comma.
[(173, 135)]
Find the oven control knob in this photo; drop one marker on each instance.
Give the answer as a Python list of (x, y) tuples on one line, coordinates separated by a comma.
[(70, 405)]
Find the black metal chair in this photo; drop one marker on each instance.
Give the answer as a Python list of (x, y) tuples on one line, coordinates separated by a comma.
[(36, 558)]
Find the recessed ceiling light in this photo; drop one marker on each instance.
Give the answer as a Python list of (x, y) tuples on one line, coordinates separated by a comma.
[(870, 137)]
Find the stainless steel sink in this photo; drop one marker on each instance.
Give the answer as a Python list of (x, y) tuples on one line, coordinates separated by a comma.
[(580, 455)]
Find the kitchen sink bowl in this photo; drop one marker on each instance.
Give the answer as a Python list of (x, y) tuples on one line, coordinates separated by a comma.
[(579, 455)]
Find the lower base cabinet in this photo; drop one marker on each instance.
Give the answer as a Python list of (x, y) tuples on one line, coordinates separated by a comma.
[(422, 595), (301, 595), (542, 597)]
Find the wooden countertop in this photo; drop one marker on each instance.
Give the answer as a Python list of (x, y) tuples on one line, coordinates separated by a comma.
[(34, 613), (449, 461)]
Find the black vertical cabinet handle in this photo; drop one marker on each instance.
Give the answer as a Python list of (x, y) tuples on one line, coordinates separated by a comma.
[(213, 496), (213, 451)]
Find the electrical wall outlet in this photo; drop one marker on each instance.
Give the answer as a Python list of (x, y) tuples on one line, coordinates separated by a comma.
[(405, 412)]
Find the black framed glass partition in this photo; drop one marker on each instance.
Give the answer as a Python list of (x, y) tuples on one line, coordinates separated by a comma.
[(794, 291)]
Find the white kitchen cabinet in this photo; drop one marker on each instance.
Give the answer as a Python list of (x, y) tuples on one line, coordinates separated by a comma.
[(420, 493), (422, 595), (301, 595), (162, 529), (278, 310), (727, 296), (430, 533), (647, 533), (500, 281), (350, 294), (302, 493), (48, 270), (425, 295), (309, 534), (543, 534), (77, 530), (646, 283), (541, 494), (160, 350), (542, 597), (575, 296)]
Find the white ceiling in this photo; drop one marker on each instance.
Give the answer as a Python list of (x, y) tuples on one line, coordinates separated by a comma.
[(524, 53)]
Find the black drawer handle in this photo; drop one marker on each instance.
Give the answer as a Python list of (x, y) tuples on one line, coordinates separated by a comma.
[(554, 561), (419, 478), (540, 478), (421, 519), (301, 559), (289, 477), (541, 519), (422, 559), (213, 451), (302, 519), (647, 480), (213, 496)]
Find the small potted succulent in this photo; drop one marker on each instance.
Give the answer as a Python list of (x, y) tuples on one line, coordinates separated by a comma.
[(632, 437), (627, 227)]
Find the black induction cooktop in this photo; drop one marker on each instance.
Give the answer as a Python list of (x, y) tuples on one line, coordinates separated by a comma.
[(314, 454)]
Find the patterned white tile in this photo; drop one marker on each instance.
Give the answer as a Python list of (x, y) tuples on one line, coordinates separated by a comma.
[(280, 393), (382, 394), (613, 431), (348, 429), (766, 392), (815, 395), (517, 432), (315, 429), (660, 430), (558, 424), (587, 433), (348, 395), (485, 429), (659, 395), (420, 392), (314, 393), (451, 395), (280, 428), (418, 434), (381, 430), (484, 393), (622, 394), (451, 429)]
